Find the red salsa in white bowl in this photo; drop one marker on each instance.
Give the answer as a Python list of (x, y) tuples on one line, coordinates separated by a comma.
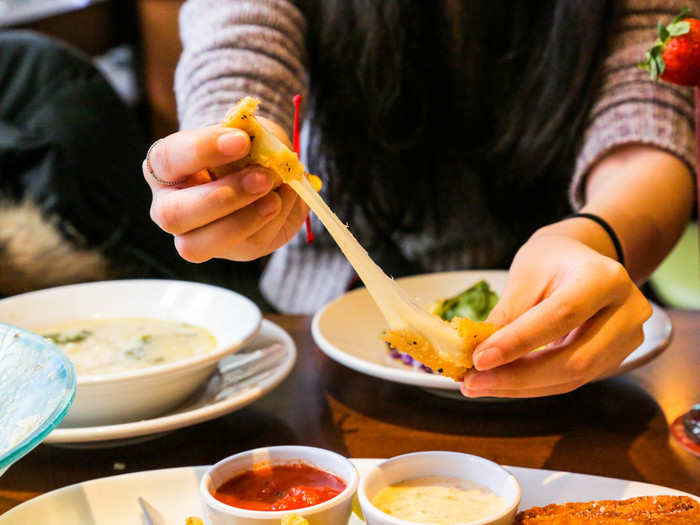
[(260, 486), (280, 487)]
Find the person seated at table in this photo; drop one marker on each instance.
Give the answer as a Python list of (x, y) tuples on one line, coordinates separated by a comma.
[(448, 135)]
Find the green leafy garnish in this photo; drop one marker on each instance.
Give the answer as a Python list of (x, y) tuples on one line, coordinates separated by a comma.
[(475, 303), (62, 339)]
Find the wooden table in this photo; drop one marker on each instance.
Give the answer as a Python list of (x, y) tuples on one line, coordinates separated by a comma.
[(617, 428)]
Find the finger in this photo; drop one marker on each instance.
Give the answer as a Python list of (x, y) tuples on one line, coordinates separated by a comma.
[(201, 177), (288, 227), (549, 320), (278, 231), (187, 152), (528, 391), (267, 235), (219, 238), (297, 216), (187, 209), (515, 299), (522, 393), (601, 344)]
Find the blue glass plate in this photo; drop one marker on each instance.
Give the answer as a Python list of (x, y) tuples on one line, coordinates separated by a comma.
[(37, 386)]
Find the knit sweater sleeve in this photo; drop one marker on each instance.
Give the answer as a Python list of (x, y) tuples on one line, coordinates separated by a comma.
[(233, 48), (631, 107)]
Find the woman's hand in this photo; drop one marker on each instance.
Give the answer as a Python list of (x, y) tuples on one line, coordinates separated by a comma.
[(560, 293), (237, 216)]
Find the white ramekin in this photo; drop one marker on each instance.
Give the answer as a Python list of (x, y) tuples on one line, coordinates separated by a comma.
[(335, 511), (439, 463)]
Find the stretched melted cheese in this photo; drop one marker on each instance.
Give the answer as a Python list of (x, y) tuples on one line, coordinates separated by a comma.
[(436, 343)]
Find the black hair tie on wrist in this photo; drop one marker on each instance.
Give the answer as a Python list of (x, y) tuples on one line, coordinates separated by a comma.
[(608, 229)]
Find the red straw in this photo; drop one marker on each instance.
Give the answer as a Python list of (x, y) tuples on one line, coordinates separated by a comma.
[(295, 142), (295, 134)]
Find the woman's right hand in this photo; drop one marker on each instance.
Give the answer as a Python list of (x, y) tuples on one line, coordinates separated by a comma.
[(237, 216)]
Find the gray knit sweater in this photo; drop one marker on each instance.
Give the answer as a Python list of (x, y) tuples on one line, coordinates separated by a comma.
[(234, 48)]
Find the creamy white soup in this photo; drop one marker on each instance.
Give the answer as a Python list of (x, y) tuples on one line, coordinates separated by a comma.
[(438, 499), (104, 346)]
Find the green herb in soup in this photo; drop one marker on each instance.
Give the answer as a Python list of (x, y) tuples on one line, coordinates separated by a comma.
[(62, 339), (104, 346)]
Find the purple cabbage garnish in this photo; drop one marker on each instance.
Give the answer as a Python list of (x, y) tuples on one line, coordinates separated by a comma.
[(407, 359)]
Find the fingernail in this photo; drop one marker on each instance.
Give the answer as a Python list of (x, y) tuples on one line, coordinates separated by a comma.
[(231, 142), (256, 182), (485, 359), (465, 391), (467, 388), (267, 205), (475, 393), (467, 378), (477, 384)]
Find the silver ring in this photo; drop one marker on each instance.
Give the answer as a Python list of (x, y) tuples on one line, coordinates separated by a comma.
[(152, 173)]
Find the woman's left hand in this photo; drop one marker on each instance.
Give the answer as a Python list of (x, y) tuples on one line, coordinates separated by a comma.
[(581, 306)]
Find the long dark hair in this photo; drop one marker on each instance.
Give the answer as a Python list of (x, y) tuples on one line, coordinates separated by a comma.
[(416, 100)]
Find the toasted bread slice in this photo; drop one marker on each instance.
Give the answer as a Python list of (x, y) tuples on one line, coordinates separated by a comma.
[(644, 510)]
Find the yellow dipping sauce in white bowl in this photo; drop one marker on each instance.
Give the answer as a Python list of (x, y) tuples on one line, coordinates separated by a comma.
[(440, 488), (444, 500)]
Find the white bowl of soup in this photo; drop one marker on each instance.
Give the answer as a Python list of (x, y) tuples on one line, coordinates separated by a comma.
[(139, 347), (265, 485), (438, 487)]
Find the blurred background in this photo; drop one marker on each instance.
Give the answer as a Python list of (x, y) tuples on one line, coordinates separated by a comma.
[(134, 42)]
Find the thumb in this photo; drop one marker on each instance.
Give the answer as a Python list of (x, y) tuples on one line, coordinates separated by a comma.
[(501, 314), (510, 306), (515, 300)]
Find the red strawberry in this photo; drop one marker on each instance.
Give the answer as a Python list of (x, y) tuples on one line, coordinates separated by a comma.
[(675, 57)]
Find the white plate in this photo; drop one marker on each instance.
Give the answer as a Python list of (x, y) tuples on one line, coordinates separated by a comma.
[(349, 329), (223, 393), (173, 495)]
